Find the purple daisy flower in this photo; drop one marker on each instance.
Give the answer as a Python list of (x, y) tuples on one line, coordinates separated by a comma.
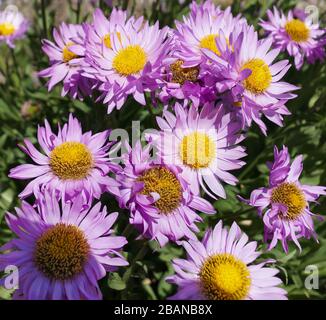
[(61, 252), (183, 84), (204, 144), (161, 205), (182, 74), (199, 30), (99, 34), (66, 58), (207, 5), (220, 268), (127, 58), (73, 162), (13, 26), (297, 35), (99, 37), (247, 78), (284, 205)]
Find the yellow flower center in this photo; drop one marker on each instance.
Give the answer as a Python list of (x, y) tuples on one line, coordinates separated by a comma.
[(197, 150), (260, 77), (71, 160), (6, 29), (107, 39), (181, 75), (68, 55), (130, 60), (164, 182), (224, 277), (61, 252), (208, 42), (291, 196), (297, 30)]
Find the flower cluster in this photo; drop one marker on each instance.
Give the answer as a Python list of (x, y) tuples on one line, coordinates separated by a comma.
[(161, 203), (214, 77), (65, 244), (210, 56)]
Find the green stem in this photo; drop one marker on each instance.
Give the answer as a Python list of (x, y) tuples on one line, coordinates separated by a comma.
[(256, 160), (8, 71), (127, 231), (146, 284), (125, 4), (6, 64), (238, 214), (250, 167), (236, 6), (45, 27), (3, 69), (150, 109), (140, 255), (14, 61), (79, 3)]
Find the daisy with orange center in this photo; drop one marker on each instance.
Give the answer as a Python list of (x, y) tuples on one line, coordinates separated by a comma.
[(297, 34), (61, 250), (284, 205), (183, 78), (161, 204)]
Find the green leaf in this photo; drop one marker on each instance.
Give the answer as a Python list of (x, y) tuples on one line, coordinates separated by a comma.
[(81, 106), (115, 282)]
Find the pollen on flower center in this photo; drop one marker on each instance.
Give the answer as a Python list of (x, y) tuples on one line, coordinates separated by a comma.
[(197, 150), (181, 75), (61, 252), (260, 77), (292, 197), (107, 39), (208, 42), (130, 60), (297, 30), (71, 160), (164, 182), (68, 55), (6, 29), (224, 277)]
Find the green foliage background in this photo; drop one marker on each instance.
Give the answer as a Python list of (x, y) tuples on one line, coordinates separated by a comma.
[(304, 133)]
